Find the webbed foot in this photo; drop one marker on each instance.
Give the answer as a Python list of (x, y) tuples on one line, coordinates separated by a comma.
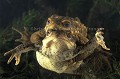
[(100, 39), (17, 51), (13, 55), (25, 36)]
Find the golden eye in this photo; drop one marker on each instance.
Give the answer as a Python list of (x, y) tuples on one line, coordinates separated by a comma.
[(48, 21), (66, 23)]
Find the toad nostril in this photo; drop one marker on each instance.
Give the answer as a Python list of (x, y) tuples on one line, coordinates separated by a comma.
[(48, 32)]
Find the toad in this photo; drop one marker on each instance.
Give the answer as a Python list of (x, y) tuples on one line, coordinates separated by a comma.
[(61, 46)]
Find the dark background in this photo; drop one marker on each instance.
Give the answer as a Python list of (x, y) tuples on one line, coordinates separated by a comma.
[(34, 13)]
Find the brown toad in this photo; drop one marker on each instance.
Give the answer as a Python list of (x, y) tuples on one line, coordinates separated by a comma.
[(57, 45)]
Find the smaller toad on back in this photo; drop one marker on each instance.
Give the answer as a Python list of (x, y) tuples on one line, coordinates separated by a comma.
[(72, 26)]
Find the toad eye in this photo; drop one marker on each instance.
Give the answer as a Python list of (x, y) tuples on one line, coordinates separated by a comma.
[(48, 22), (66, 24)]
